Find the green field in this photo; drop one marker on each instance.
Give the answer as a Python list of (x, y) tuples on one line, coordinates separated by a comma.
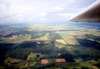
[(25, 46)]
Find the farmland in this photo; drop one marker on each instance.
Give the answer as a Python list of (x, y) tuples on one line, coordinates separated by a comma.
[(49, 45)]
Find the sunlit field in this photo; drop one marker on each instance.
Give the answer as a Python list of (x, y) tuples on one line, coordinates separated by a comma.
[(50, 46)]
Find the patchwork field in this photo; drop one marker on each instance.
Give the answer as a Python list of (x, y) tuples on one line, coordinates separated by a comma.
[(70, 40), (17, 38), (61, 41), (43, 38), (50, 46)]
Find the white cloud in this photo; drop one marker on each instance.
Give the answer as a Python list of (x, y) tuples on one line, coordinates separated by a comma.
[(42, 19), (43, 14), (65, 15), (32, 10), (58, 8)]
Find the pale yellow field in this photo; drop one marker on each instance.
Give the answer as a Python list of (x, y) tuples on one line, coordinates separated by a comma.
[(68, 33), (72, 41), (68, 38), (59, 46), (96, 34), (43, 38), (61, 41), (90, 39), (42, 27)]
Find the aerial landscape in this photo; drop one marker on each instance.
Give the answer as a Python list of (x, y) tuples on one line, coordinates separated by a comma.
[(49, 34), (50, 45)]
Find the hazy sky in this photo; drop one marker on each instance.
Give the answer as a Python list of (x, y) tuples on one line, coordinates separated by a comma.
[(40, 10)]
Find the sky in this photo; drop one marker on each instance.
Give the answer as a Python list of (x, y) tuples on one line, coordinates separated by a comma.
[(19, 11)]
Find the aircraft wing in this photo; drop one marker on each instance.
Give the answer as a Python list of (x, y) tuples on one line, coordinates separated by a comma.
[(92, 14)]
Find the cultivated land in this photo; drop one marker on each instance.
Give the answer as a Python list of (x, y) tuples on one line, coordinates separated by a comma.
[(61, 41), (50, 45)]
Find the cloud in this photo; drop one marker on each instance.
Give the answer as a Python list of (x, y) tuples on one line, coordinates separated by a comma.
[(42, 19), (34, 10), (65, 15), (58, 8), (43, 14)]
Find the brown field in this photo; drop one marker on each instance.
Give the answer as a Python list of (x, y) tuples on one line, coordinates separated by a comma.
[(44, 61), (60, 60), (81, 37), (96, 34), (13, 37), (18, 38)]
